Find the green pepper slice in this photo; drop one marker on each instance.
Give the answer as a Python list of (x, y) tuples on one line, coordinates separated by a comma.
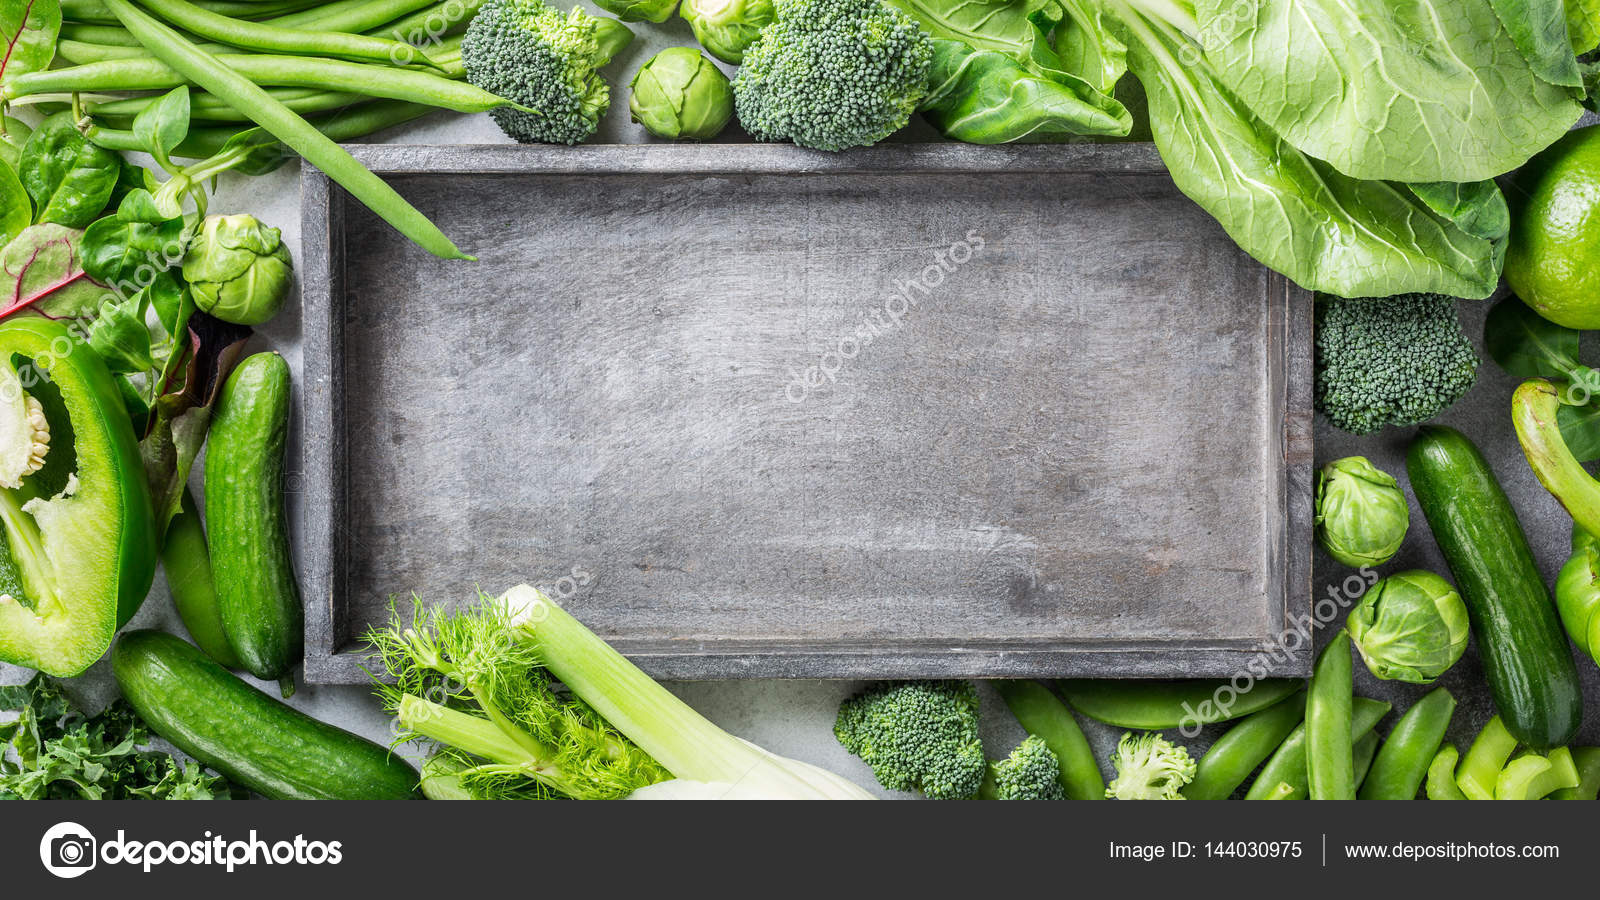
[(77, 531)]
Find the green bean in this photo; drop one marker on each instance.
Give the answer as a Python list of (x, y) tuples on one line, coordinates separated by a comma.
[(430, 25), (1288, 765), (99, 34), (1329, 763), (100, 12), (1480, 770), (205, 108), (1042, 714), (266, 38), (204, 143), (1442, 775), (1361, 753), (351, 16), (262, 69), (298, 134), (1246, 745), (1158, 705), (1587, 760), (81, 53), (1403, 762)]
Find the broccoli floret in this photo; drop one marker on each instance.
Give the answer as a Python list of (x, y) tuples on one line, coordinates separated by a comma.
[(1390, 360), (545, 60), (1031, 772), (917, 736), (833, 74), (1149, 767)]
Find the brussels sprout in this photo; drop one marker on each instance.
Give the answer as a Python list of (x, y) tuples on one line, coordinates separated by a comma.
[(238, 269), (1411, 626), (679, 94), (1361, 512), (657, 11), (726, 27)]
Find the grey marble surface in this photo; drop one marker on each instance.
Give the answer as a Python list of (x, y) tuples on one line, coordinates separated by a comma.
[(795, 718)]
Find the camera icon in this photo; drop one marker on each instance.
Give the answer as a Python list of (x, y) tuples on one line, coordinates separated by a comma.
[(68, 850)]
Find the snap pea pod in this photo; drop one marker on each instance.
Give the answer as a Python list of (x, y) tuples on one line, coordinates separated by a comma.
[(204, 143), (1361, 754), (1159, 705), (268, 38), (255, 70), (1329, 760), (206, 108), (1442, 775), (1402, 764), (1480, 770), (1042, 714), (1282, 792), (1288, 765), (1247, 745), (187, 563), (294, 131), (1587, 761)]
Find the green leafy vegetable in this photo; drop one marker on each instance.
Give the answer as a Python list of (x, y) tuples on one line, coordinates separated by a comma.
[(16, 210), (1086, 44), (13, 135), (58, 753), (1583, 24), (43, 267), (28, 30), (1528, 345), (69, 178), (1539, 30), (987, 97), (1428, 91)]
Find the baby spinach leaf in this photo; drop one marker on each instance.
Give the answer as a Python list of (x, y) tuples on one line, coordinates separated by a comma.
[(161, 126), (42, 268), (69, 178), (1434, 90), (16, 211), (1539, 29), (121, 338), (1528, 345), (15, 134), (127, 250), (28, 31), (1326, 231), (984, 97)]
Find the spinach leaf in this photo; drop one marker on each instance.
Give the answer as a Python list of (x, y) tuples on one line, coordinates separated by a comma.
[(984, 97), (121, 338), (127, 250), (15, 134), (1326, 231), (28, 31), (16, 211), (1528, 345), (42, 268), (1539, 29), (69, 178), (1580, 429), (1433, 90), (161, 126)]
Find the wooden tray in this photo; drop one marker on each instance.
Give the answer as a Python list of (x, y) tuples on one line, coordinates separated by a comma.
[(753, 411)]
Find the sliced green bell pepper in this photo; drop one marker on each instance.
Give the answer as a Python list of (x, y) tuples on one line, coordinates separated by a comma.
[(77, 533)]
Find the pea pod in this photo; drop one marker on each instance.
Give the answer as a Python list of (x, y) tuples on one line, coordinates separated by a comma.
[(1247, 745), (1330, 766), (1288, 764), (1403, 763), (1442, 775), (187, 563), (1159, 705), (1362, 753), (1040, 713)]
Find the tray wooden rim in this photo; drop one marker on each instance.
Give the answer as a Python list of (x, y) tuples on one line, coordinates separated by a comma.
[(330, 655)]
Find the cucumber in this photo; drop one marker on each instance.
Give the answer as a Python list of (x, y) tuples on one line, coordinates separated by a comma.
[(194, 592), (258, 742), (257, 597), (1524, 651)]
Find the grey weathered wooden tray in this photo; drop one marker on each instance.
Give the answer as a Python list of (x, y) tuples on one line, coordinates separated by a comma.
[(1085, 450)]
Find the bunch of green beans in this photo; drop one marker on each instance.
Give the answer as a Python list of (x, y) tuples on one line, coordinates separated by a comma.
[(309, 72)]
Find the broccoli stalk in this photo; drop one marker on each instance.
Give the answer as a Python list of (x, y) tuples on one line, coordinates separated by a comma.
[(546, 61), (1390, 360), (917, 736), (833, 74), (1031, 772), (1150, 767)]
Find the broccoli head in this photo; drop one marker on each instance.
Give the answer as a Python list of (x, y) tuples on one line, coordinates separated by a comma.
[(917, 736), (1390, 360), (1031, 772), (546, 61), (1150, 767), (833, 74)]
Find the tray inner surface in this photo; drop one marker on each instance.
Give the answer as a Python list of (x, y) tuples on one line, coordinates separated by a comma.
[(1072, 437)]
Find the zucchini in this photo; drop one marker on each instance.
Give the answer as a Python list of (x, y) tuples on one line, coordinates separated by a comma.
[(1525, 654), (257, 597), (258, 742)]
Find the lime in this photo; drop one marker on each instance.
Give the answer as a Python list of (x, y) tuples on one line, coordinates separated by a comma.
[(1553, 261)]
